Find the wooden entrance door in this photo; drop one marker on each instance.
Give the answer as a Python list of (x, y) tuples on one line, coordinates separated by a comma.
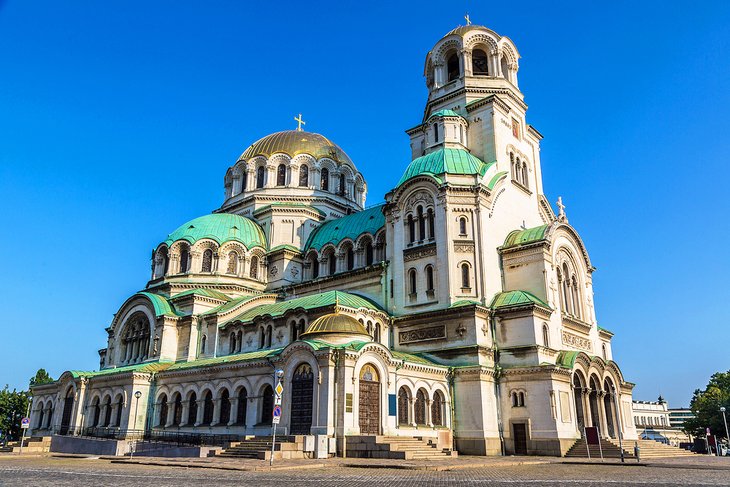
[(68, 406), (369, 402), (520, 436), (302, 386)]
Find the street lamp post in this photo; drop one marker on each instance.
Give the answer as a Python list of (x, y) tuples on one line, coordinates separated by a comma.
[(724, 420), (137, 395)]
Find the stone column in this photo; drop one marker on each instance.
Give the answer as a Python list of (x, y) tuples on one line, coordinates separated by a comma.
[(201, 410), (185, 413), (428, 419), (216, 411), (234, 410), (170, 414), (412, 410)]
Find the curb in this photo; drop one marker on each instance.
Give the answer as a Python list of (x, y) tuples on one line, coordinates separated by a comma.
[(218, 466)]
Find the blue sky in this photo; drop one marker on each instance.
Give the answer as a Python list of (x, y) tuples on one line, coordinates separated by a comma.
[(118, 121)]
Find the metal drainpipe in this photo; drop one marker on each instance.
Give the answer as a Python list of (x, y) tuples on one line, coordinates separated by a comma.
[(497, 376)]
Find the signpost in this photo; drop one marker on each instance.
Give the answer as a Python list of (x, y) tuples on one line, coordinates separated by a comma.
[(276, 413), (24, 425)]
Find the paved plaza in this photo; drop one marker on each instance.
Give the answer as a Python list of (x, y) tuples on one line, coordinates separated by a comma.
[(57, 471)]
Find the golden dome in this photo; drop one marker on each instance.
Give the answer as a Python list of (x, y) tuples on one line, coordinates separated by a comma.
[(293, 142), (336, 324)]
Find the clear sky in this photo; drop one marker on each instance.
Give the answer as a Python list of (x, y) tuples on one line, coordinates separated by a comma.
[(118, 121)]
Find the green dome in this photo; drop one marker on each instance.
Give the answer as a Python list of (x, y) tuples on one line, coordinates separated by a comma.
[(444, 161), (221, 227), (445, 113)]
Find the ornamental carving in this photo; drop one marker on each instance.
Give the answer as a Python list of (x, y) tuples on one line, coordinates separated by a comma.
[(422, 197), (422, 334), (577, 341), (464, 247), (419, 252)]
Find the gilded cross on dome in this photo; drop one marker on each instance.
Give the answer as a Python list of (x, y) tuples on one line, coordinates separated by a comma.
[(561, 206), (300, 122), (468, 20)]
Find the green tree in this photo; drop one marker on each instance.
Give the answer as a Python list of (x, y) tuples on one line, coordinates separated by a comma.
[(706, 406), (13, 406), (41, 377)]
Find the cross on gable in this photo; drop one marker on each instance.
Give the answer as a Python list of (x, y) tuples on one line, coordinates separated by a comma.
[(468, 20)]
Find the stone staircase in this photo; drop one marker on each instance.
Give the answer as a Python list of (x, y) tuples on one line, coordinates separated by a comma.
[(649, 449), (35, 444), (259, 448), (396, 447)]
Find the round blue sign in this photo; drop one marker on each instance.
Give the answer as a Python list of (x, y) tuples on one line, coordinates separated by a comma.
[(277, 411)]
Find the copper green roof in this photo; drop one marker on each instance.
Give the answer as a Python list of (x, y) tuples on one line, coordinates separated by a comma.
[(516, 298), (412, 358), (566, 358), (444, 161), (524, 237), (211, 293), (492, 182), (148, 367), (160, 304), (284, 246), (600, 328), (225, 359), (444, 113), (220, 227), (463, 302), (228, 306), (350, 226), (288, 205), (321, 300)]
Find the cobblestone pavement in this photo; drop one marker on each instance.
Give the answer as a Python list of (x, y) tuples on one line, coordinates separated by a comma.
[(77, 472)]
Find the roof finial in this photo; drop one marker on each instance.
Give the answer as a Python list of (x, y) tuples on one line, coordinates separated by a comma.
[(300, 122), (561, 206), (468, 20)]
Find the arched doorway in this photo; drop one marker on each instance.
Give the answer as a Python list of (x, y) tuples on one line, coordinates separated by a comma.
[(369, 403), (593, 403), (302, 389), (267, 405), (609, 408), (68, 406), (578, 399)]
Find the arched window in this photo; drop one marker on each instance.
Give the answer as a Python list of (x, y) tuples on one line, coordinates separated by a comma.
[(268, 336), (412, 288), (452, 67), (293, 331), (225, 408), (505, 68), (429, 278), (350, 258), (240, 340), (232, 263), (262, 337), (208, 408), (232, 344), (202, 345), (314, 262), (421, 224), (254, 268), (545, 335), (369, 253), (420, 407), (281, 175), (431, 224), (244, 179), (192, 409), (135, 338), (260, 172), (437, 409), (479, 62), (513, 169), (465, 280), (411, 229), (435, 132), (267, 404), (184, 260), (462, 226), (332, 263), (120, 406), (163, 411), (376, 333), (524, 174), (325, 180), (576, 297), (341, 188), (403, 402), (605, 354), (521, 399), (96, 410), (241, 408), (369, 328), (304, 175), (207, 265)]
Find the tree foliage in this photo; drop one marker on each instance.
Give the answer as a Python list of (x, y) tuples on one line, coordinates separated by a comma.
[(13, 406), (706, 406), (41, 377)]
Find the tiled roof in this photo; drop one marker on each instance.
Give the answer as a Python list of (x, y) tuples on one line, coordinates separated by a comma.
[(211, 293), (516, 298), (444, 161), (444, 113), (160, 304), (493, 182), (350, 226), (524, 237), (229, 305), (329, 298), (239, 357), (220, 227), (147, 367)]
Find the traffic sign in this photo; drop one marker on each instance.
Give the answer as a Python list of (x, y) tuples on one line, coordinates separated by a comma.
[(277, 411), (279, 389), (277, 400), (25, 423)]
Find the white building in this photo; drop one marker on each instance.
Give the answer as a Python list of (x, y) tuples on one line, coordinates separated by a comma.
[(653, 421), (462, 305)]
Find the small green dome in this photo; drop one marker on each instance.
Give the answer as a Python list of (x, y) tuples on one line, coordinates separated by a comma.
[(445, 113), (221, 227), (444, 161)]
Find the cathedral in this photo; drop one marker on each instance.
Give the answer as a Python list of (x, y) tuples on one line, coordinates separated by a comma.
[(461, 309)]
